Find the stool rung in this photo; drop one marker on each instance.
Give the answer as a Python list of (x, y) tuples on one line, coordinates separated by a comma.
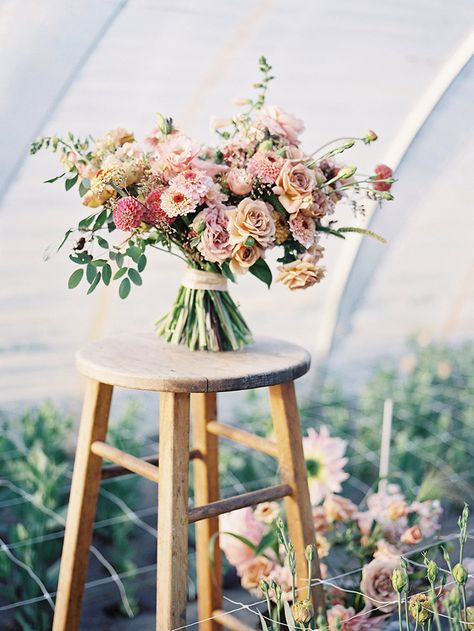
[(230, 621), (245, 438), (239, 501), (125, 460), (115, 471)]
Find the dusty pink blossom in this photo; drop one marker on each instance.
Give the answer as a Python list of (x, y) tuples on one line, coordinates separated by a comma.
[(241, 522), (412, 535), (128, 213), (253, 571), (266, 166), (376, 583), (239, 181), (338, 508), (176, 153), (192, 183), (281, 123), (339, 618), (386, 550), (303, 229), (214, 244), (325, 463), (389, 509)]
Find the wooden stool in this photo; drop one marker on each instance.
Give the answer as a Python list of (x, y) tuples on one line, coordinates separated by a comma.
[(143, 362)]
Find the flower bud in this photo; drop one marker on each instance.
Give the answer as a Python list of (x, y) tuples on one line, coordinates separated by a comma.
[(219, 123), (468, 617), (309, 553), (263, 586), (420, 608), (399, 580), (460, 574), (346, 172), (249, 242), (370, 136), (164, 124), (265, 145), (432, 571), (302, 611)]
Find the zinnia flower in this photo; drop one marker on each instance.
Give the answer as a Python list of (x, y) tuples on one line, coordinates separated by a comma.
[(267, 512), (266, 166), (303, 229), (175, 203), (128, 213), (153, 211), (325, 463)]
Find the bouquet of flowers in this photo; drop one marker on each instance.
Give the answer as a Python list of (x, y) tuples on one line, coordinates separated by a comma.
[(220, 209), (370, 538)]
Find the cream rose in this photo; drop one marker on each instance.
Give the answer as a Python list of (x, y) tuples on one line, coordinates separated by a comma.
[(294, 187), (243, 257), (301, 273), (376, 583), (252, 218)]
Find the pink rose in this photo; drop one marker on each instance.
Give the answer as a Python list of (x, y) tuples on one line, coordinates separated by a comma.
[(243, 257), (294, 186), (214, 244), (281, 123), (376, 583), (239, 181)]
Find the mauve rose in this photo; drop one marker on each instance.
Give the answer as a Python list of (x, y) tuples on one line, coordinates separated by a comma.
[(239, 181), (252, 218), (376, 583), (281, 123), (214, 244)]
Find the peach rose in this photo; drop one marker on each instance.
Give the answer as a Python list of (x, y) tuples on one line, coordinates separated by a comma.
[(412, 536), (239, 181), (294, 186), (338, 508), (253, 572), (281, 123), (252, 218), (243, 257), (301, 273), (376, 583)]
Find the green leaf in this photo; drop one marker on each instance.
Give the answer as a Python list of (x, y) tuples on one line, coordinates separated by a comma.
[(336, 233), (141, 263), (91, 273), (276, 203), (87, 221), (75, 278), (119, 259), (124, 288), (134, 253), (121, 272), (103, 243), (261, 270), (94, 284), (267, 541), (69, 183), (99, 222), (227, 272), (135, 277), (54, 179), (106, 274), (99, 262), (84, 186), (80, 258)]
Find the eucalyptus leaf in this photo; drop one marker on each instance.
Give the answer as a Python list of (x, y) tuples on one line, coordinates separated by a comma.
[(142, 261), (75, 278), (94, 284), (91, 273), (135, 277), (106, 274), (70, 182), (54, 179), (121, 272), (124, 288)]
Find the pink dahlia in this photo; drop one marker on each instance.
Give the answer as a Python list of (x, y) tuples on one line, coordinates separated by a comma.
[(153, 211), (128, 213), (382, 172), (266, 166), (192, 183), (303, 229), (325, 463)]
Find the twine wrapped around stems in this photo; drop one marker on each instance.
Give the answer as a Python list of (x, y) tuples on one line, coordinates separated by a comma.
[(198, 279)]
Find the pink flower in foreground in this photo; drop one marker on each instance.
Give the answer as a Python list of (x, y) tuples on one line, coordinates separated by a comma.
[(382, 172), (266, 166), (281, 123), (339, 618), (214, 244), (153, 211), (325, 463), (192, 183), (303, 229), (240, 522), (128, 213), (175, 203)]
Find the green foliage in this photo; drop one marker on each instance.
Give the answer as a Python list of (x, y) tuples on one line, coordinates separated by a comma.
[(34, 462)]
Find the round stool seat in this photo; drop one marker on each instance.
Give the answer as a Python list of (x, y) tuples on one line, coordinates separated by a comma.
[(144, 362)]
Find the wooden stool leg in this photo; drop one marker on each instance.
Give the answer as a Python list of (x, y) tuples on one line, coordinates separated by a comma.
[(172, 571), (206, 489), (286, 423), (82, 507)]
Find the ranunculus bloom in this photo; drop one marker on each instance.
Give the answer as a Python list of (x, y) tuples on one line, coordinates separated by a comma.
[(214, 244), (243, 257), (376, 583), (239, 181), (281, 123), (241, 522), (252, 218), (412, 535), (338, 508), (253, 571), (294, 187), (301, 273), (382, 172), (128, 213)]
